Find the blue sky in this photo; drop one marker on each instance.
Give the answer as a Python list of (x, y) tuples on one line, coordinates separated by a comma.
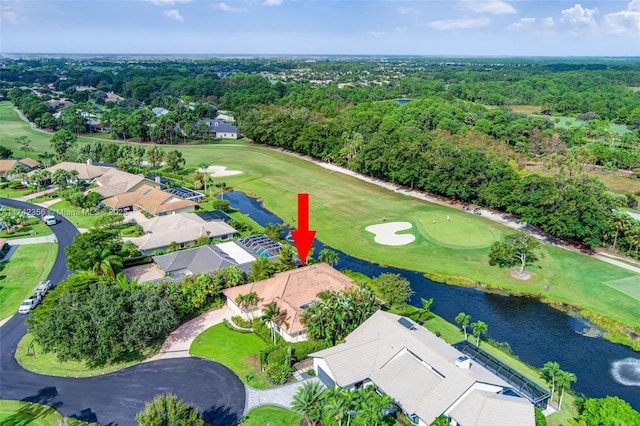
[(384, 27)]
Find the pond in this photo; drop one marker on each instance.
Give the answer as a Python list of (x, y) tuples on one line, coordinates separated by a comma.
[(536, 332)]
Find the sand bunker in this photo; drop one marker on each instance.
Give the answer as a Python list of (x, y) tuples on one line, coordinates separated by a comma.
[(386, 233), (219, 171)]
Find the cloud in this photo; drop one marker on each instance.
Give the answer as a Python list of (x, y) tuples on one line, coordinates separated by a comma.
[(7, 14), (376, 33), (409, 11), (168, 2), (226, 8), (623, 22), (174, 14), (579, 18), (495, 7), (458, 24), (532, 24), (272, 3)]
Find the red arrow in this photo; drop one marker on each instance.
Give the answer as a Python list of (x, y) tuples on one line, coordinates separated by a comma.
[(303, 238)]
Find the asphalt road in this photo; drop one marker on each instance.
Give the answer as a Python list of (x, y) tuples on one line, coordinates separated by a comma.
[(114, 399)]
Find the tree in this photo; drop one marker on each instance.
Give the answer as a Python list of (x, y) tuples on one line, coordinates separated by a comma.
[(60, 178), (61, 142), (204, 166), (273, 316), (24, 143), (93, 251), (610, 410), (373, 407), (308, 401), (246, 301), (463, 319), (392, 288), (564, 379), (550, 371), (175, 160), (168, 410), (329, 257), (155, 155), (517, 249), (5, 152), (479, 328)]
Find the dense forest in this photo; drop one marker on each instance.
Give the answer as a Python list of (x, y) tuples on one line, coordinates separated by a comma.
[(462, 128)]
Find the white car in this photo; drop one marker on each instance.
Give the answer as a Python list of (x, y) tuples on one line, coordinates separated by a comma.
[(29, 304)]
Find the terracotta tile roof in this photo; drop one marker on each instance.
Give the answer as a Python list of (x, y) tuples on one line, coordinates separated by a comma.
[(152, 200), (115, 182), (29, 162), (6, 165), (291, 290)]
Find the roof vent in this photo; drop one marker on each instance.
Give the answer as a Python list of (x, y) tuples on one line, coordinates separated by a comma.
[(406, 323), (463, 362)]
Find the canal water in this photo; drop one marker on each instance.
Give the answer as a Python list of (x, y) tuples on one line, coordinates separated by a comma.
[(536, 332)]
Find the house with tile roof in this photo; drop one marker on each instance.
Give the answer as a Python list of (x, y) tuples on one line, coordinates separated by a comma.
[(425, 376), (291, 291), (87, 172), (181, 228), (114, 182), (24, 164), (151, 200)]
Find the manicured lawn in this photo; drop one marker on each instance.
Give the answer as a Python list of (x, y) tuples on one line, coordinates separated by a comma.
[(238, 351), (19, 275), (48, 364), (15, 193), (34, 227), (19, 413), (268, 415), (78, 216)]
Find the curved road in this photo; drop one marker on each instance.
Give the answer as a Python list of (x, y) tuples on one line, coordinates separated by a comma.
[(114, 399)]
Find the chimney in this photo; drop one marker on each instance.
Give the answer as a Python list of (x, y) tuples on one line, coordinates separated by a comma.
[(157, 179), (463, 362)]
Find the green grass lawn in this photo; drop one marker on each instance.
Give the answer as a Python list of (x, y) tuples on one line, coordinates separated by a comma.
[(15, 193), (19, 275), (269, 415), (47, 364), (34, 227), (19, 413), (238, 351), (78, 216)]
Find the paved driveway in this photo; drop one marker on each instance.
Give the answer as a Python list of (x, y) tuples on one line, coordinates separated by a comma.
[(114, 399)]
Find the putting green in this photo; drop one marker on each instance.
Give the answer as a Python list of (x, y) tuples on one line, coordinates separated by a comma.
[(629, 286), (463, 230)]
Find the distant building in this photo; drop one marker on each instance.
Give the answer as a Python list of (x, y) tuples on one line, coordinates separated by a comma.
[(220, 129), (87, 172), (159, 112), (23, 164), (114, 182)]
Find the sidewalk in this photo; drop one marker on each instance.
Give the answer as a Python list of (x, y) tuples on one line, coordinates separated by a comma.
[(36, 194), (178, 343)]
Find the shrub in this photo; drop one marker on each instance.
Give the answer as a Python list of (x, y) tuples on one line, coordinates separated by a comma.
[(241, 322), (278, 373), (541, 420)]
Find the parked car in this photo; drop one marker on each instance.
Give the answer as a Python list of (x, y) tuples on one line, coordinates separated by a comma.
[(50, 220), (29, 304), (477, 211), (465, 207)]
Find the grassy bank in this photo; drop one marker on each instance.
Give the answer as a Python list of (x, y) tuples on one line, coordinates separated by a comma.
[(48, 364), (19, 413), (268, 415), (19, 275)]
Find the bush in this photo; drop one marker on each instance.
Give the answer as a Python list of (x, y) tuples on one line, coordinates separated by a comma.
[(278, 373), (541, 420), (241, 322)]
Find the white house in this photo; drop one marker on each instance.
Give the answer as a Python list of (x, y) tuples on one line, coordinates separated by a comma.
[(425, 376)]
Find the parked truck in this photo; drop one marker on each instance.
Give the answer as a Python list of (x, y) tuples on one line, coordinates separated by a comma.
[(42, 288), (29, 304)]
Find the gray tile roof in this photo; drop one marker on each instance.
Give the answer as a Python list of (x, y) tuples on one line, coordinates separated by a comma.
[(197, 260), (219, 126)]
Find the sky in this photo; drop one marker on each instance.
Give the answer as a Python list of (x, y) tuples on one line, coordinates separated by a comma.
[(323, 27)]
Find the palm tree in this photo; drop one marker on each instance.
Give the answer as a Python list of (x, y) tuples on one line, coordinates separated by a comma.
[(248, 300), (550, 372), (308, 401), (109, 264), (479, 328), (463, 319), (204, 166), (620, 224), (337, 405), (329, 257), (564, 379), (373, 406), (269, 316)]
